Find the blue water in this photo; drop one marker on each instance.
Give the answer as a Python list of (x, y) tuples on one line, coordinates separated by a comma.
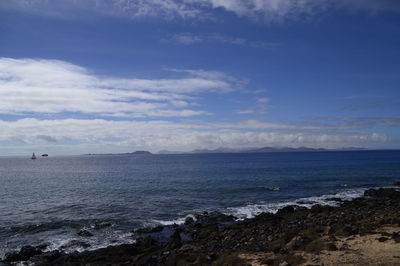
[(49, 200)]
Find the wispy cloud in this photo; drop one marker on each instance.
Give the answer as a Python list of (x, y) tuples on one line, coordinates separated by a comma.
[(184, 38), (53, 86), (269, 10), (278, 10), (187, 38), (166, 9)]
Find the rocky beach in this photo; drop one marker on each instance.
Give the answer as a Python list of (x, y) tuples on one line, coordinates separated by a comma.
[(363, 231), (199, 132)]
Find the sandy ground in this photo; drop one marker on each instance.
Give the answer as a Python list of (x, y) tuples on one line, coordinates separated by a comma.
[(377, 248)]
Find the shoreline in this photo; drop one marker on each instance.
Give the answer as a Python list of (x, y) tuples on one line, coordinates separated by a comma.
[(293, 236)]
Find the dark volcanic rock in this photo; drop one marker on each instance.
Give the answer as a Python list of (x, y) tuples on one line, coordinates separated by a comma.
[(382, 193), (287, 209), (189, 220), (383, 239), (24, 254), (318, 208), (146, 242), (46, 257), (214, 218), (396, 237), (175, 241)]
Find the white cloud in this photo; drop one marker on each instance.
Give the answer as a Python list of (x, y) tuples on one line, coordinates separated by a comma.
[(100, 135), (53, 86)]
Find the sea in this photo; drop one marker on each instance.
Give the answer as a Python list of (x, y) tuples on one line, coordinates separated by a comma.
[(50, 199)]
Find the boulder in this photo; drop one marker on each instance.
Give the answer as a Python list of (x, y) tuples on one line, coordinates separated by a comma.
[(25, 253), (287, 209), (189, 220)]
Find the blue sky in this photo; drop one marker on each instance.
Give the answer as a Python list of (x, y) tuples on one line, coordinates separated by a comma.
[(118, 76)]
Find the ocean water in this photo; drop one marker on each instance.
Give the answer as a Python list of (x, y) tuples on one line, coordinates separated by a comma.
[(49, 200)]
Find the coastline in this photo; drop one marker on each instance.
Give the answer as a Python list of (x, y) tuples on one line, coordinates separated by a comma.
[(363, 231)]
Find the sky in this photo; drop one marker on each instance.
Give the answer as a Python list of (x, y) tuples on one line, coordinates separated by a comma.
[(114, 76)]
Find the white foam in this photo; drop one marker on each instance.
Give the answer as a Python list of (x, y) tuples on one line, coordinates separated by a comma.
[(251, 210), (24, 263), (125, 238), (96, 242), (177, 221)]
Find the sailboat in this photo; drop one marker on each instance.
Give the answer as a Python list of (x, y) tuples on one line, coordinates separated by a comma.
[(33, 156)]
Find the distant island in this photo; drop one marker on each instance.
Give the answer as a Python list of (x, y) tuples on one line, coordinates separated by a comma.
[(127, 153), (140, 152)]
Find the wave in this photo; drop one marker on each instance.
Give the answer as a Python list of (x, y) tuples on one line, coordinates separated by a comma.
[(176, 221), (251, 210), (70, 244)]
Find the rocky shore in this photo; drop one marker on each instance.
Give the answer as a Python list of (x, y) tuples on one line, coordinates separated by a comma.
[(364, 231)]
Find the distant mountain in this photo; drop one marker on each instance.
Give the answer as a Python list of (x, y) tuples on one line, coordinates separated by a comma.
[(261, 150), (140, 152), (170, 152)]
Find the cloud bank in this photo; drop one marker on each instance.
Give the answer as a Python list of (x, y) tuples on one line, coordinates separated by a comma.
[(123, 136)]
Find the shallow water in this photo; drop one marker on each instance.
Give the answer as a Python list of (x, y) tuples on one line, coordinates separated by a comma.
[(49, 200)]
